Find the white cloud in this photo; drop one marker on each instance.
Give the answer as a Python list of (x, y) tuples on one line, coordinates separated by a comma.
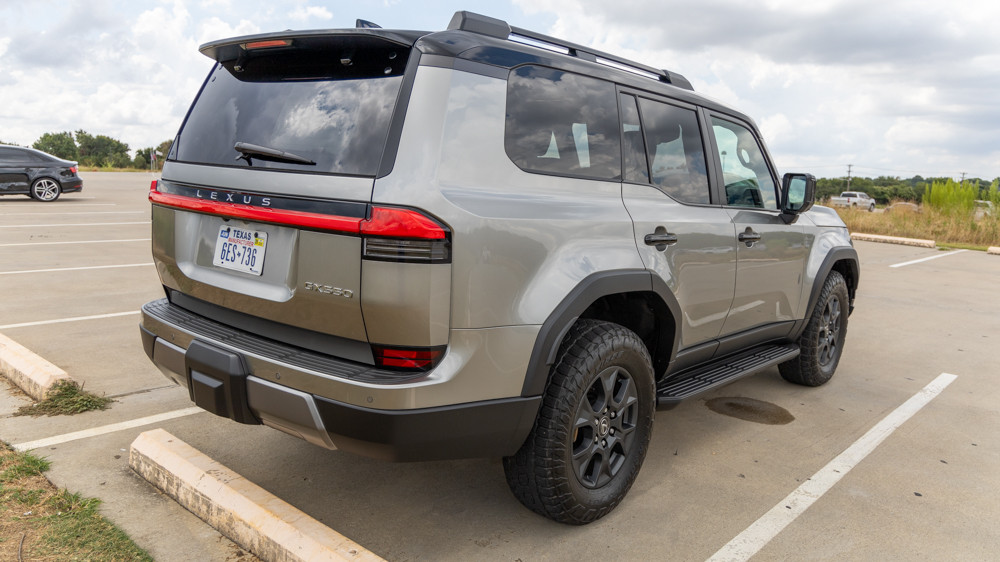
[(303, 13)]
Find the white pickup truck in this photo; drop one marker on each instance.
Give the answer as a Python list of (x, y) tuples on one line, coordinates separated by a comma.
[(858, 199)]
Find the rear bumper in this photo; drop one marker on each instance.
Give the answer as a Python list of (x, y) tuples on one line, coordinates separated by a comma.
[(71, 185), (222, 380)]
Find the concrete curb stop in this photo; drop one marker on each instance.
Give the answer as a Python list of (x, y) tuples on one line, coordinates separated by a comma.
[(246, 513), (894, 240), (995, 250), (32, 374)]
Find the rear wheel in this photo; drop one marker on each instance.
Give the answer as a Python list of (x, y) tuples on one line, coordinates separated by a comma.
[(822, 342), (45, 189), (592, 430)]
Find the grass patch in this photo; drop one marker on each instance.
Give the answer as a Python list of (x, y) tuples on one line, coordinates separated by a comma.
[(954, 229), (64, 399), (40, 522)]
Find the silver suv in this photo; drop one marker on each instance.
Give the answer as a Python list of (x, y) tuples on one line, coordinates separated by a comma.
[(480, 242)]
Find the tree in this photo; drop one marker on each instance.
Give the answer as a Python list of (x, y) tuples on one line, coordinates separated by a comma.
[(161, 154), (58, 144), (101, 151)]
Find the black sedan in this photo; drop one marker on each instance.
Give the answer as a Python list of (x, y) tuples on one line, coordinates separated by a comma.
[(26, 171)]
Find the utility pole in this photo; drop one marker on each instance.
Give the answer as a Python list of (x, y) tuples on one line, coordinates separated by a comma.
[(849, 166), (963, 178)]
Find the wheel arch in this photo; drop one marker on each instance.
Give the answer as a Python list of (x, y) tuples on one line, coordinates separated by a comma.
[(636, 299), (842, 260)]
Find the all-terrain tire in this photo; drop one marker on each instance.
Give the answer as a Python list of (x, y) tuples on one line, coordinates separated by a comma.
[(822, 342), (592, 430)]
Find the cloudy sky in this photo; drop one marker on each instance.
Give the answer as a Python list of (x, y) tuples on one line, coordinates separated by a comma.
[(893, 87)]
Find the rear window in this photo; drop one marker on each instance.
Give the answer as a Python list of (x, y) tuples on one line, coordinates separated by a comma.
[(329, 104)]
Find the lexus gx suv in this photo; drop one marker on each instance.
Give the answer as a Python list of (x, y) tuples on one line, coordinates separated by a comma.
[(480, 242)]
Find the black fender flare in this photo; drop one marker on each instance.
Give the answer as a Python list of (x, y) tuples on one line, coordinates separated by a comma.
[(586, 292), (845, 254)]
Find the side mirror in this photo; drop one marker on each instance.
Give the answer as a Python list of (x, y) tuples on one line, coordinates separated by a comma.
[(798, 193)]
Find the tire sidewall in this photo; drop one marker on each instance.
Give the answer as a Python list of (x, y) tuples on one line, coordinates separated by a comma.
[(638, 369), (34, 186)]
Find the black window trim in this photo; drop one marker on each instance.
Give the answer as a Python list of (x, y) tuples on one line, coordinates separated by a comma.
[(720, 184), (710, 159)]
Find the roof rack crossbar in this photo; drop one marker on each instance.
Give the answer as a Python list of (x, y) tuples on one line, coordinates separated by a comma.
[(484, 25)]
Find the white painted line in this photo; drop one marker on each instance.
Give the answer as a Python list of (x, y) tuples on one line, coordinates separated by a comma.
[(81, 224), (756, 536), (74, 268), (906, 263), (62, 320), (74, 242), (61, 204), (88, 213), (105, 429)]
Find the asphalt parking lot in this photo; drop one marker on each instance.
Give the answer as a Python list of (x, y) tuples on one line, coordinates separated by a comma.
[(74, 273)]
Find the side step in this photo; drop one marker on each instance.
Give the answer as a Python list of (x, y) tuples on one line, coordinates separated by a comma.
[(721, 372)]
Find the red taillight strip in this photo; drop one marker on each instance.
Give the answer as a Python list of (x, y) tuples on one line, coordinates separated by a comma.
[(391, 222), (350, 225)]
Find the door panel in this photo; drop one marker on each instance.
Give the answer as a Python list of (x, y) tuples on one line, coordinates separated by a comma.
[(769, 271), (700, 267)]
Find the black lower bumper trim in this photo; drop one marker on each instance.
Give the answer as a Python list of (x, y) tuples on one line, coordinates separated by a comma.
[(481, 429)]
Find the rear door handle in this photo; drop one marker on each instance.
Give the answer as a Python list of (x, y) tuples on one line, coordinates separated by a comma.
[(660, 239), (749, 237)]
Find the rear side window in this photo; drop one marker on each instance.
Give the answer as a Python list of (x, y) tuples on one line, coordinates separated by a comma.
[(675, 150), (329, 104), (562, 123)]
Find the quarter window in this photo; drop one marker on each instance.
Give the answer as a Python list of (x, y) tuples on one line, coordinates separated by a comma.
[(562, 123), (633, 147), (745, 171)]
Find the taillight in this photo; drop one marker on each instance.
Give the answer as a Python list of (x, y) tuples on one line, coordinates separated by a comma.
[(407, 358), (72, 169), (404, 235), (389, 233)]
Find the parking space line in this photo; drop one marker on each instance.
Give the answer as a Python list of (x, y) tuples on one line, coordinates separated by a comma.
[(74, 242), (60, 269), (756, 536), (67, 204), (904, 264), (63, 320), (78, 224), (73, 213), (105, 429)]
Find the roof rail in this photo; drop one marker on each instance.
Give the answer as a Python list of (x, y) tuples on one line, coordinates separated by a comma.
[(492, 27)]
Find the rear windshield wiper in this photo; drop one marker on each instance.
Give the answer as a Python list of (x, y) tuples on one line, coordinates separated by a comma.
[(249, 151)]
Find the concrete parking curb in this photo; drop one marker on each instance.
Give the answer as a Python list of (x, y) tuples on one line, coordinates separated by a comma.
[(246, 513), (894, 240), (32, 374), (995, 250)]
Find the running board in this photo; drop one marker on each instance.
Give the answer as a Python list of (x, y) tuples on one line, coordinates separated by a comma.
[(721, 372)]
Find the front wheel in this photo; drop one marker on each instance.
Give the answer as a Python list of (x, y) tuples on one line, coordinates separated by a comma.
[(592, 430), (822, 342), (45, 189), (871, 208)]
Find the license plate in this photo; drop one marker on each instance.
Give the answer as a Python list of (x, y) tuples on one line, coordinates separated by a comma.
[(240, 249)]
